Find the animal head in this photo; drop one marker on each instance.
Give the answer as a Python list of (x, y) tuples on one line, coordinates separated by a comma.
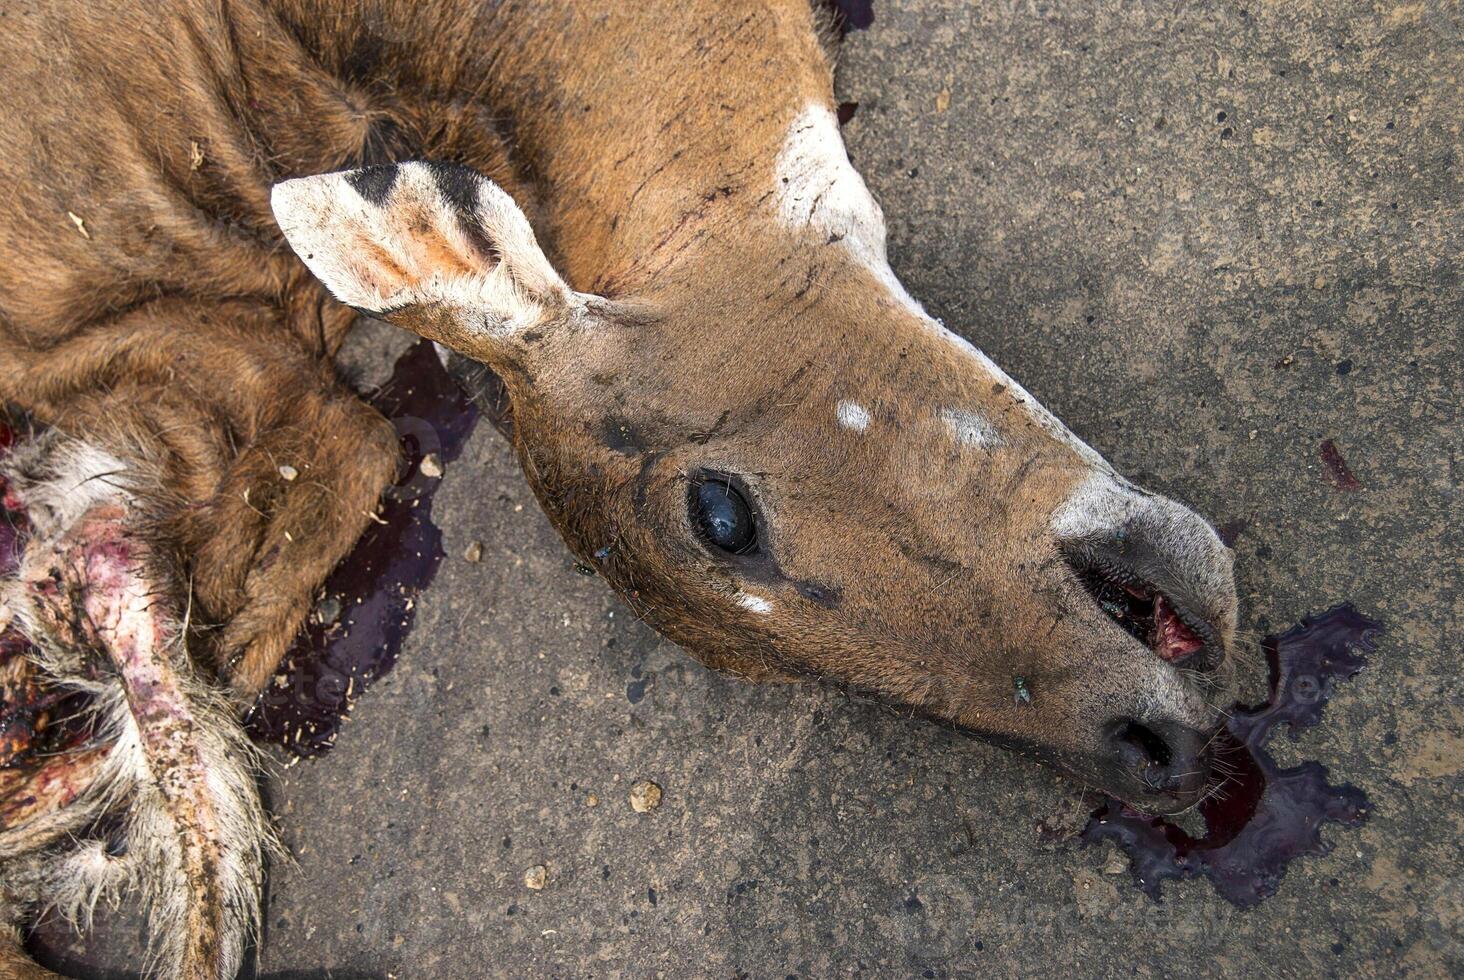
[(784, 465)]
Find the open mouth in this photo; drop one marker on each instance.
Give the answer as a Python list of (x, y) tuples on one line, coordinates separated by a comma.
[(1147, 614)]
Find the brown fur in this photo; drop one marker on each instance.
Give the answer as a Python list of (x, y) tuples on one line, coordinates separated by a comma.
[(151, 307)]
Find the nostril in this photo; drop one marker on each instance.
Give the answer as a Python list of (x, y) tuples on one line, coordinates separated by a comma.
[(1139, 747), (1153, 566), (1165, 758)]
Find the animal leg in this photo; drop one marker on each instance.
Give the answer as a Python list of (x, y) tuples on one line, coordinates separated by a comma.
[(102, 619), (271, 466), (317, 481)]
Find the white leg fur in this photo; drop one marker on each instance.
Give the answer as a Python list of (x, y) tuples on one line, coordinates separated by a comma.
[(178, 762)]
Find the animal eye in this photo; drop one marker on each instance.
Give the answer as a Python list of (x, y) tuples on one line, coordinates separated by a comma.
[(723, 516)]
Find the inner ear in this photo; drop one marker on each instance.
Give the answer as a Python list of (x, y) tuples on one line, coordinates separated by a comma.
[(434, 247)]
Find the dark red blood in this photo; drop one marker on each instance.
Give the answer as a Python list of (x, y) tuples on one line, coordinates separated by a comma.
[(376, 585), (1173, 640), (855, 15), (846, 112), (1268, 816), (1337, 469)]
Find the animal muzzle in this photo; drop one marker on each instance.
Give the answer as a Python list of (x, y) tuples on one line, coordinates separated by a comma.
[(1159, 572), (1154, 567), (1163, 766)]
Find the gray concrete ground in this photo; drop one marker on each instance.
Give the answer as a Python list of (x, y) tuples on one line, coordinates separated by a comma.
[(1209, 236)]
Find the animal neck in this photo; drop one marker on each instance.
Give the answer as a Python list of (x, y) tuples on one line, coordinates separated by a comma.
[(651, 157)]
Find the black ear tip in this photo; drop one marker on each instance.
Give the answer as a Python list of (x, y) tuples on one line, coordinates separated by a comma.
[(374, 183), (448, 170), (460, 185)]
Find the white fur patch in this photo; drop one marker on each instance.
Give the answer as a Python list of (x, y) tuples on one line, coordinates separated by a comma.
[(754, 603), (971, 429), (816, 187), (412, 249), (1098, 506), (57, 480), (60, 479), (1101, 504), (852, 415), (1039, 413)]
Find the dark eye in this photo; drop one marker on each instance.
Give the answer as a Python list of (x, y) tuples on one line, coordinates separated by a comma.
[(723, 516)]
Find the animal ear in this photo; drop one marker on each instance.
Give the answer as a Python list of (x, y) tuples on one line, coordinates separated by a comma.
[(434, 247)]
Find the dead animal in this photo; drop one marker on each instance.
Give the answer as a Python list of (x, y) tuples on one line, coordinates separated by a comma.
[(802, 474)]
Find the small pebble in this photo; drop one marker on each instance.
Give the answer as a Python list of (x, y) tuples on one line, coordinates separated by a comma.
[(431, 466), (536, 877), (473, 552), (645, 796), (289, 472), (592, 800), (328, 611)]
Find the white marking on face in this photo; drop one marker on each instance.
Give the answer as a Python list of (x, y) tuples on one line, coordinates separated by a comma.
[(754, 603), (1045, 419), (852, 415), (971, 429), (1101, 504), (816, 187)]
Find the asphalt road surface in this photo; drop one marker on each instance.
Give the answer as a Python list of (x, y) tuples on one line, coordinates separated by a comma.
[(1210, 236)]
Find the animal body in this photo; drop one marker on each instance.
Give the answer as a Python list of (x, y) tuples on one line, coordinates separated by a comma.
[(640, 217)]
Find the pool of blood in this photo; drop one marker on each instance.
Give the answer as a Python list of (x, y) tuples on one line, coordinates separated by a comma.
[(1265, 816), (374, 589)]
